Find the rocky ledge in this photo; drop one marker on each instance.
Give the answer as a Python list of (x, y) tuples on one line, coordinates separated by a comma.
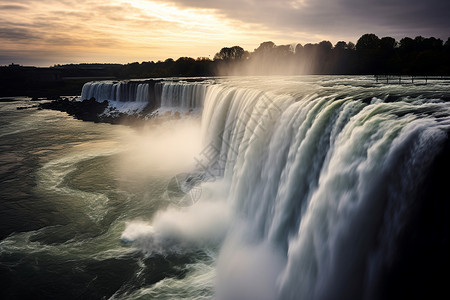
[(86, 110), (91, 110)]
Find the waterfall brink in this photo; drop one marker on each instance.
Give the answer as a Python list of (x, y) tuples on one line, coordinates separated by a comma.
[(322, 188)]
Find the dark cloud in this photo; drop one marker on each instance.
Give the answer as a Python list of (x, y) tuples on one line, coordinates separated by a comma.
[(12, 7), (16, 34), (339, 17)]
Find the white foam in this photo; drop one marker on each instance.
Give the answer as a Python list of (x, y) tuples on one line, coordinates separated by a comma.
[(177, 230)]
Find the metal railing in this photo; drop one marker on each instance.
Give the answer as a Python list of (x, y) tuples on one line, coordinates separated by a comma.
[(412, 79)]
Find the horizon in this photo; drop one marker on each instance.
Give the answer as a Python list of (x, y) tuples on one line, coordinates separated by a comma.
[(50, 32), (293, 47)]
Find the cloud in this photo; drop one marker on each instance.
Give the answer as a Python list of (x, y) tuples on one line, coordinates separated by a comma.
[(347, 18), (16, 34), (116, 31), (142, 30), (67, 31), (12, 7)]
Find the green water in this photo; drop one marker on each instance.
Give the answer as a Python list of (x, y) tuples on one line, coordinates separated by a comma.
[(67, 192)]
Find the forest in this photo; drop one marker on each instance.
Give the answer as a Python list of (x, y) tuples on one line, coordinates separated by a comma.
[(371, 55)]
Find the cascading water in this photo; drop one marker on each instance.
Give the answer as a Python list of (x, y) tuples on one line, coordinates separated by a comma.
[(123, 91), (182, 95), (321, 186), (134, 96)]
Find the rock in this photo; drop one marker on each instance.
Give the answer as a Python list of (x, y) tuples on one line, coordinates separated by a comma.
[(86, 110)]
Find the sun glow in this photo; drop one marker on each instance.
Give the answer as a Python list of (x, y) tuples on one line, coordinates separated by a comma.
[(78, 31), (198, 18)]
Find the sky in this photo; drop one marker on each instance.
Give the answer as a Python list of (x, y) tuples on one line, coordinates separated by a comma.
[(48, 32)]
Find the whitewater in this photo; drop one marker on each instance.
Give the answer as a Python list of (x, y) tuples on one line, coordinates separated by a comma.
[(307, 187)]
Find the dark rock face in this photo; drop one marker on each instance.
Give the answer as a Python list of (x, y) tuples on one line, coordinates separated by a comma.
[(86, 110)]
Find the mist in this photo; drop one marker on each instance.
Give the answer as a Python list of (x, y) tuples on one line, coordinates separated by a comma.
[(165, 148), (270, 59), (170, 149), (183, 230)]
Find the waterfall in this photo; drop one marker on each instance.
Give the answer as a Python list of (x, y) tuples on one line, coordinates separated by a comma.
[(124, 91), (142, 93), (329, 182), (322, 187), (182, 95), (133, 96)]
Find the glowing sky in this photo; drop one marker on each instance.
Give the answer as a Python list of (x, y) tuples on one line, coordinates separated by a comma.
[(47, 32)]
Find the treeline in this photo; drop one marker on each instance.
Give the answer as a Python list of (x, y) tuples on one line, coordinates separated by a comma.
[(183, 66), (370, 55)]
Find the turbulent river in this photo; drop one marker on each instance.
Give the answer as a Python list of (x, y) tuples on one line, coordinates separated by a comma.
[(315, 187)]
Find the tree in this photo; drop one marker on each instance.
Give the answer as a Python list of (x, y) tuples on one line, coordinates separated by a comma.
[(388, 43), (283, 50), (233, 53), (407, 44), (299, 48), (341, 45), (265, 46), (431, 43), (368, 41), (447, 44), (325, 46), (368, 54), (309, 47), (351, 46)]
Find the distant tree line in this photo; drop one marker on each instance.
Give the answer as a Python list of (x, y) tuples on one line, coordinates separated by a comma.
[(183, 66), (370, 55)]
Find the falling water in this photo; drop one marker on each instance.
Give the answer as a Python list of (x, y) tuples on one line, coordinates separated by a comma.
[(322, 177)]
